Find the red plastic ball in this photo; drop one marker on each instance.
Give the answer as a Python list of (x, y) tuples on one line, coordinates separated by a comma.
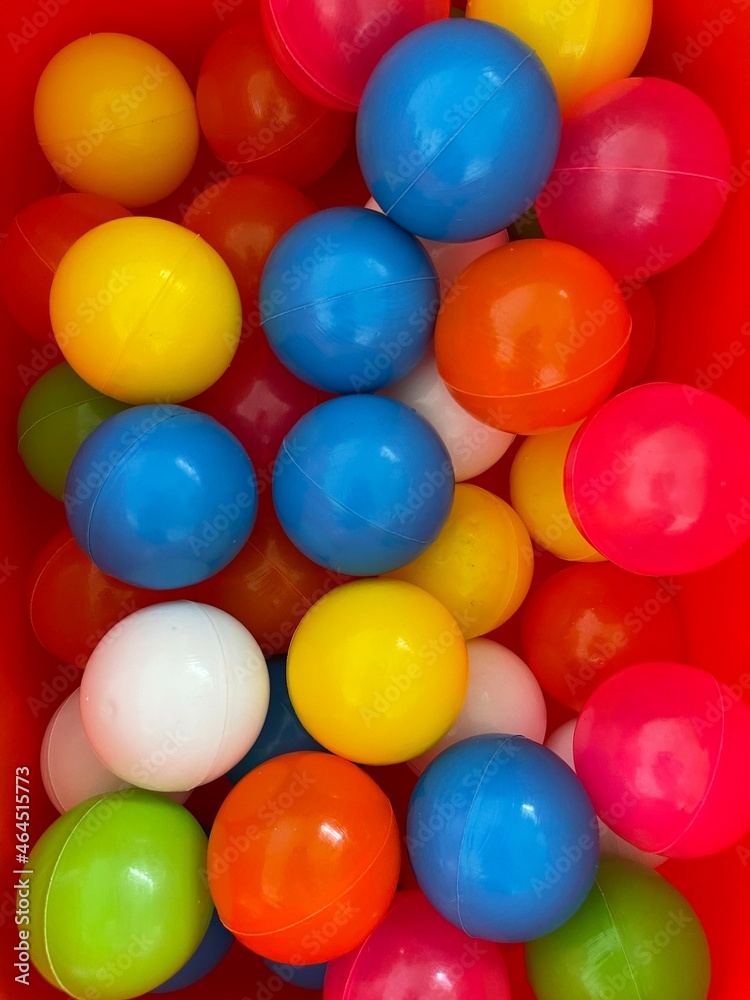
[(329, 48), (535, 338), (662, 750), (258, 400), (243, 219), (641, 177), (72, 604), (37, 240), (256, 120), (414, 952), (640, 305), (270, 585), (658, 479), (587, 622), (303, 858)]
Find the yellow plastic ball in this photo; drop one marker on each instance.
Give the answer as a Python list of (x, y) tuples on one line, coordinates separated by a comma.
[(145, 311), (377, 671), (480, 565), (115, 117), (538, 495), (583, 43)]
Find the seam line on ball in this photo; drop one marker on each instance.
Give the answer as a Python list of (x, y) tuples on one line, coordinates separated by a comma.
[(225, 664), (641, 170), (710, 785), (466, 827), (354, 291), (364, 520), (623, 949), (456, 134), (62, 409)]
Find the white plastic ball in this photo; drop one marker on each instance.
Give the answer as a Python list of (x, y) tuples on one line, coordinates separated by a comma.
[(174, 696), (503, 697), (561, 743), (473, 446), (71, 771)]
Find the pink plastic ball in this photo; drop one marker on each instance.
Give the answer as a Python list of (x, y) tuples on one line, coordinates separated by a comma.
[(71, 771), (503, 697), (414, 952), (658, 480), (641, 177), (450, 259), (473, 446), (329, 48), (561, 743), (662, 750)]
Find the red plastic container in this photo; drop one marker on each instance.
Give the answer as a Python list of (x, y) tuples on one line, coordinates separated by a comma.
[(704, 340)]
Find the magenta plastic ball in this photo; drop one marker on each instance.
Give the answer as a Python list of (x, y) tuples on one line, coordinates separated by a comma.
[(641, 177), (662, 750), (658, 480), (414, 952)]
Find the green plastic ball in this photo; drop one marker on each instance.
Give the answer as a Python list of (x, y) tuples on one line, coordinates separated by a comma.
[(635, 938), (118, 899), (59, 412)]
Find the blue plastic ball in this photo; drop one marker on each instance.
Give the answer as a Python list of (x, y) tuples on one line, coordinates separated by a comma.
[(349, 300), (161, 496), (502, 838), (214, 945), (362, 484), (305, 977), (458, 130), (282, 731)]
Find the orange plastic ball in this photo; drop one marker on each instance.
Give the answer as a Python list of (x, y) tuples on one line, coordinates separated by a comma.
[(255, 120), (303, 858), (534, 338)]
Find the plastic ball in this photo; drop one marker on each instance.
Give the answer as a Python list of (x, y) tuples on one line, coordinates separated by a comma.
[(161, 496), (537, 338), (309, 813), (450, 259), (116, 118), (641, 177), (269, 585), (57, 414), (255, 118), (362, 485), (480, 565), (38, 238), (139, 849), (282, 731), (329, 50), (502, 838), (585, 623), (72, 604), (259, 401), (144, 310), (634, 936), (503, 696), (537, 494), (174, 696), (304, 977), (581, 44), (458, 130), (413, 952), (213, 948), (349, 300), (243, 218), (377, 671), (472, 445), (561, 743), (662, 749), (71, 772), (652, 480)]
